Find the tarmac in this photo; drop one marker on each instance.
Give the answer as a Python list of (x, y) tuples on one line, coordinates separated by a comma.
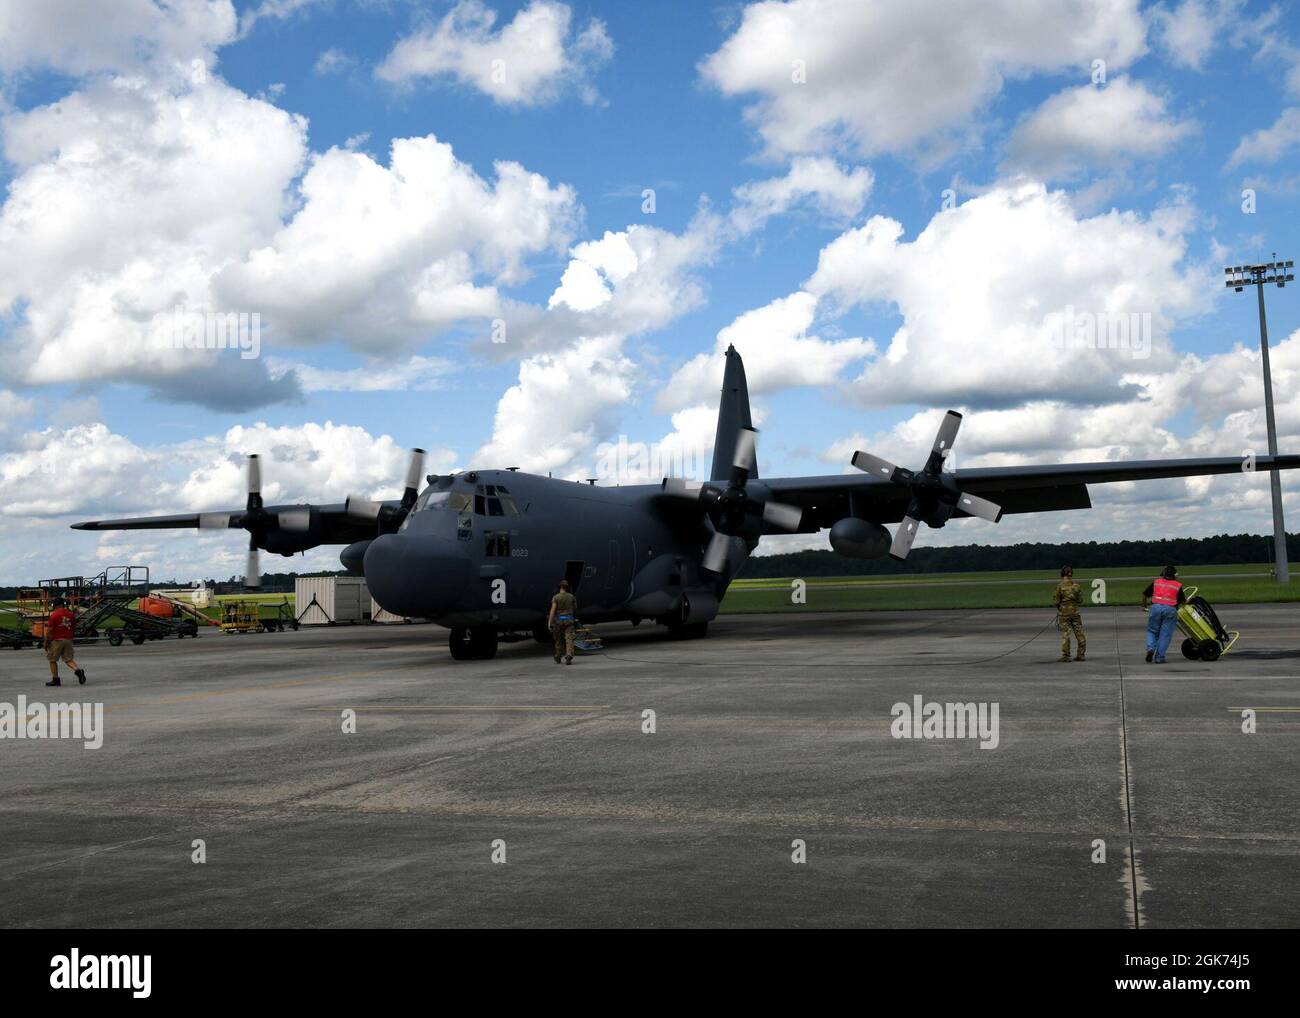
[(772, 733)]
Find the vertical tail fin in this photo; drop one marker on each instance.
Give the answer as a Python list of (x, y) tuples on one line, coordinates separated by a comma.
[(733, 414)]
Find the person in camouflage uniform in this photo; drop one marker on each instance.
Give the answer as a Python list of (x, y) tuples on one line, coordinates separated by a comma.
[(562, 621), (1068, 598)]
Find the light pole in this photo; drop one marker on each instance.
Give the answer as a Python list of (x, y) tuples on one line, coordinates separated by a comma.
[(1240, 276)]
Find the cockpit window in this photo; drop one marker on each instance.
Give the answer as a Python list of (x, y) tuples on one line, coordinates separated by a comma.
[(432, 498)]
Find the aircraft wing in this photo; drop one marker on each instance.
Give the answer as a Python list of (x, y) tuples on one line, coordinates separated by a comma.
[(1023, 489), (279, 527)]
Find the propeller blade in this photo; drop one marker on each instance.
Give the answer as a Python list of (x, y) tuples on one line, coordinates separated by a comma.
[(947, 432), (980, 507), (679, 487), (745, 450), (877, 467), (787, 517), (215, 521), (254, 474), (253, 570), (413, 470), (715, 555), (361, 508), (903, 538), (298, 520)]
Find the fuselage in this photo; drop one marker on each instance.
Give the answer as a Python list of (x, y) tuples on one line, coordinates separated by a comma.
[(488, 548)]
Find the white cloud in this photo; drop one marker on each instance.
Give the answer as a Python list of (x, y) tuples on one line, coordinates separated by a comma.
[(1190, 31), (332, 61), (529, 61), (984, 287), (891, 75), (74, 37), (104, 229), (382, 256), (1269, 144), (819, 182), (1090, 127), (623, 284), (416, 374), (777, 350), (104, 234)]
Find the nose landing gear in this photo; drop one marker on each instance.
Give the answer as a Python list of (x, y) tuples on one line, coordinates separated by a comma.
[(473, 643)]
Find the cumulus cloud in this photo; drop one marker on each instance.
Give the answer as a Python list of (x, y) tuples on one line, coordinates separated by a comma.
[(564, 401), (530, 61), (382, 256), (1189, 31), (892, 75), (818, 182), (1269, 144), (996, 297), (415, 374), (1099, 128), (77, 38), (778, 353), (104, 231)]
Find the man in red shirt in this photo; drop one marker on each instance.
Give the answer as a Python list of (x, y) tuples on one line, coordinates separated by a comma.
[(60, 628)]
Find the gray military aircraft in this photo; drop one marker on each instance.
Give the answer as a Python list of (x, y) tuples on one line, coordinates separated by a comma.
[(480, 552)]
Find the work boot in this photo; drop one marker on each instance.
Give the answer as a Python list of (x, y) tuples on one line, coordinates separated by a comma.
[(1079, 656), (557, 659), (81, 676), (1063, 657), (568, 659), (1151, 656), (54, 682)]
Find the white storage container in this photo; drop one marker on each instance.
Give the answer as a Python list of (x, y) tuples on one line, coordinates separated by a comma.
[(378, 614), (321, 600)]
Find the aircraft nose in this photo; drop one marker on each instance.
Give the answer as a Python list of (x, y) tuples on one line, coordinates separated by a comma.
[(420, 576)]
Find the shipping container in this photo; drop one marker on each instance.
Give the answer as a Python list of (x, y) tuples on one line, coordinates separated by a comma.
[(379, 614), (324, 600)]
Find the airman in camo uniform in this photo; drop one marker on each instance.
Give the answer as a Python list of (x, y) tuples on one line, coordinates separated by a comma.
[(1068, 598)]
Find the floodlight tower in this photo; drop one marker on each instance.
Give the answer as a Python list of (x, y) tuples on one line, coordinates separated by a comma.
[(1238, 277)]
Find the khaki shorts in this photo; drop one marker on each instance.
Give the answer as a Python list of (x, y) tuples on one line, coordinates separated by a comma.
[(59, 649)]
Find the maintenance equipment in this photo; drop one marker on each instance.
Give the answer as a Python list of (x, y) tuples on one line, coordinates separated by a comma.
[(1207, 640)]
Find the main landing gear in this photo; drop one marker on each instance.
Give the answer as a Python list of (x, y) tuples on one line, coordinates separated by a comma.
[(473, 643)]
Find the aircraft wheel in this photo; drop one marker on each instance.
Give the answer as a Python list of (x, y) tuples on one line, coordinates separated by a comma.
[(115, 638), (1210, 650), (137, 640), (458, 642), (483, 641), (691, 631), (1190, 650)]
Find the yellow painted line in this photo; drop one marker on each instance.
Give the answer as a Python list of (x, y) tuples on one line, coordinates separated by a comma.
[(583, 706)]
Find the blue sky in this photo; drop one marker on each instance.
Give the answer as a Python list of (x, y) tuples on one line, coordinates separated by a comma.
[(245, 157)]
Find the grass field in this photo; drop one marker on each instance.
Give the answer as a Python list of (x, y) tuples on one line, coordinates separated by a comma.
[(1239, 584), (1026, 589)]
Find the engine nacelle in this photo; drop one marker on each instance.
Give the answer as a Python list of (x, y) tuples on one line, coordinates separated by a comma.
[(353, 557), (855, 538)]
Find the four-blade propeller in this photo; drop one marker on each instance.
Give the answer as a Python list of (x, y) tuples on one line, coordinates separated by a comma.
[(934, 494), (257, 521), (388, 518), (733, 511)]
